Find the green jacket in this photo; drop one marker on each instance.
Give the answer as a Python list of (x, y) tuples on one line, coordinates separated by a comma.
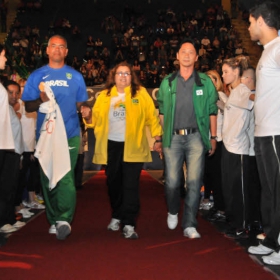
[(204, 99)]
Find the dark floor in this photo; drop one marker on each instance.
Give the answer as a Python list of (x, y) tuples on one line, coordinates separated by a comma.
[(220, 226)]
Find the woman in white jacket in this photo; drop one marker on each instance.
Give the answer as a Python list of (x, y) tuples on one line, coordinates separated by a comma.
[(235, 152)]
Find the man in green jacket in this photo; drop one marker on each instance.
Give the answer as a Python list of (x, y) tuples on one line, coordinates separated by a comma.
[(187, 105)]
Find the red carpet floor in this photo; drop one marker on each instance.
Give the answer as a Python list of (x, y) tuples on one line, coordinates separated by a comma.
[(92, 252)]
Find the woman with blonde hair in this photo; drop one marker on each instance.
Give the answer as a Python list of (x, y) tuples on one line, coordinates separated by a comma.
[(235, 151), (212, 172)]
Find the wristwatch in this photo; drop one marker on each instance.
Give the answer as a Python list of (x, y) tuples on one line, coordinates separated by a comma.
[(214, 137)]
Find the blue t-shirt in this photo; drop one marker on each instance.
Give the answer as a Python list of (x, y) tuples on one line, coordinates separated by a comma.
[(68, 87)]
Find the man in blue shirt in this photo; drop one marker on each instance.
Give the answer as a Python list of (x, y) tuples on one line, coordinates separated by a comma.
[(69, 91)]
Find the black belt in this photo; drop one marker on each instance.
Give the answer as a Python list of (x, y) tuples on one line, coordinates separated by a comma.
[(185, 131)]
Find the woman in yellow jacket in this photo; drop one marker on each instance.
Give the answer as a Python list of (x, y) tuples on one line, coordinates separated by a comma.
[(119, 117)]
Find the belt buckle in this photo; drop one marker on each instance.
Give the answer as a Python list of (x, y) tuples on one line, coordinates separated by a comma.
[(183, 131)]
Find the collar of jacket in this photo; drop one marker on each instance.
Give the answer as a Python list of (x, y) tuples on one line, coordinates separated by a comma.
[(197, 78), (114, 91)]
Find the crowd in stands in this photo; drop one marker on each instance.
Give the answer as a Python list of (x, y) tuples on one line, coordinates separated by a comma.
[(150, 45), (151, 48)]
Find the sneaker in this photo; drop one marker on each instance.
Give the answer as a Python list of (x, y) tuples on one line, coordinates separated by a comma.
[(25, 213), (172, 221), (19, 224), (273, 259), (191, 232), (259, 250), (206, 205), (26, 204), (52, 229), (114, 225), (8, 228), (36, 205), (236, 233), (63, 229), (217, 217), (39, 198), (128, 232), (261, 236), (28, 212)]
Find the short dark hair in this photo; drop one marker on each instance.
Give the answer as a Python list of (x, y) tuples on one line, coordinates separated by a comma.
[(190, 41), (1, 48), (11, 82), (269, 11)]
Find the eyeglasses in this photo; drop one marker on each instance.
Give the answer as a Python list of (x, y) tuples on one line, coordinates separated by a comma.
[(125, 74)]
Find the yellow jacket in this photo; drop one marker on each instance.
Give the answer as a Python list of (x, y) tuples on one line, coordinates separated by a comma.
[(140, 112)]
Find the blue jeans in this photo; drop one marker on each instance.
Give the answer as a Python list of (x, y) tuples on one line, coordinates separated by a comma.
[(188, 148)]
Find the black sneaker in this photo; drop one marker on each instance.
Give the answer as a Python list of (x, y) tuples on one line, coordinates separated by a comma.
[(217, 217), (237, 234)]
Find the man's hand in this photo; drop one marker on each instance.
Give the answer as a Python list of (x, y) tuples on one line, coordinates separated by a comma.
[(44, 97), (158, 147), (214, 145), (221, 105), (86, 113)]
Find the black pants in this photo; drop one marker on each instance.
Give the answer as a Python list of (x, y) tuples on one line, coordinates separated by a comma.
[(267, 155), (9, 172), (235, 187), (254, 192), (29, 176), (79, 171), (123, 184), (213, 177)]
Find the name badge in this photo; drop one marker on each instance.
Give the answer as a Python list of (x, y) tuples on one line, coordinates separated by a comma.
[(135, 101), (199, 92)]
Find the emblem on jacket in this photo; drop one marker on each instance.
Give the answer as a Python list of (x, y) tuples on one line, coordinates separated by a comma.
[(69, 76)]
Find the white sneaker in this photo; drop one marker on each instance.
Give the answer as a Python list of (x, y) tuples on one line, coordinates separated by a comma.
[(114, 225), (63, 229), (172, 221), (36, 205), (8, 228), (128, 232), (259, 250), (19, 224), (25, 213), (206, 205), (191, 232), (28, 212), (273, 259), (26, 203), (52, 229)]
